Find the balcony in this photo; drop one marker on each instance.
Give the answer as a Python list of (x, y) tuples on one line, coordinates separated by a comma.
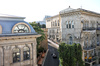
[(90, 59), (89, 47), (98, 28), (89, 28)]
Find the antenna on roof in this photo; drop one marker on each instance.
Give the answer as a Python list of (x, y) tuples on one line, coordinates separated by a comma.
[(69, 6)]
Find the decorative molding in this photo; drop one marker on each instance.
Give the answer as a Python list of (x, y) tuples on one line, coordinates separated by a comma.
[(6, 47)]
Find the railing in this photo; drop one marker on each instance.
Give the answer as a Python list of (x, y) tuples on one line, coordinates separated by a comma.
[(89, 47), (90, 60), (98, 28), (89, 28)]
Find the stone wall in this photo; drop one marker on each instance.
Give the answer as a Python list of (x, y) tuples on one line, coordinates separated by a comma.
[(7, 44)]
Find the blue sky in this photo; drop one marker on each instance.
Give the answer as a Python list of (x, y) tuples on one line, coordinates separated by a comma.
[(35, 10)]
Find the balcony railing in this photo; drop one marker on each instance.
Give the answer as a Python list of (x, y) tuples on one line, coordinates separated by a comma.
[(89, 60), (98, 28), (89, 47), (89, 28)]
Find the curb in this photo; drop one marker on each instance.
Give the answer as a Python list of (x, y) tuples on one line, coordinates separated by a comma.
[(45, 57)]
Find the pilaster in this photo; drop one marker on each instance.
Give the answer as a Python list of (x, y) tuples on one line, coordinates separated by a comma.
[(34, 53)]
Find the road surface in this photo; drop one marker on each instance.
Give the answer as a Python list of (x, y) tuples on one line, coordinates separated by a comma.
[(50, 61)]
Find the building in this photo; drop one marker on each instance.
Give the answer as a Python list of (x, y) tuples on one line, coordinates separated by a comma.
[(17, 42), (43, 21), (53, 25), (79, 26)]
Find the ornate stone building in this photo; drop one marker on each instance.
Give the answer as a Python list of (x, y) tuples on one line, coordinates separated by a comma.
[(17, 42), (53, 26), (80, 26)]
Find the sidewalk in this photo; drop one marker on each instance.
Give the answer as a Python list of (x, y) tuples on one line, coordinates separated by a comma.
[(53, 43), (42, 59)]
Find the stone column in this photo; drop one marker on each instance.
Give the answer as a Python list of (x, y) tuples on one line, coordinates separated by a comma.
[(83, 55), (31, 54), (95, 40), (90, 64), (1, 56), (11, 56), (6, 56), (89, 40), (21, 56), (34, 53)]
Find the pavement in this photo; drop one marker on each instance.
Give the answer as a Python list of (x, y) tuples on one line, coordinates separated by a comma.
[(50, 61), (51, 43), (41, 59)]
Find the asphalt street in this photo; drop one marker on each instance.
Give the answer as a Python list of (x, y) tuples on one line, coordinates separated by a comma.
[(50, 61)]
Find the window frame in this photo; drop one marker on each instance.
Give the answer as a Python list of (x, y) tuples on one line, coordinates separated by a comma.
[(70, 39), (26, 51), (72, 24), (22, 24), (16, 55), (67, 24)]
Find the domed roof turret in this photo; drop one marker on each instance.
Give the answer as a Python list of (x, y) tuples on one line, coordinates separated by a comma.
[(14, 24)]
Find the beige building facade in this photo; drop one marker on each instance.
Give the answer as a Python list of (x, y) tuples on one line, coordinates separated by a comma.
[(53, 25), (17, 42), (81, 26)]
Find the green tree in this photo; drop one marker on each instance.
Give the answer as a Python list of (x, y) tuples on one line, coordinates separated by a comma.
[(39, 31), (70, 55), (43, 26)]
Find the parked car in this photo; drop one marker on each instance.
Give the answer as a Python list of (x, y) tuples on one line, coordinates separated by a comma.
[(54, 55)]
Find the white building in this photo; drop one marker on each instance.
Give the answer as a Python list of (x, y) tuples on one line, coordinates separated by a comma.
[(78, 26)]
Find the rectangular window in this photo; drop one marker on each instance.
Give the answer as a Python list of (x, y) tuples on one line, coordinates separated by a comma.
[(69, 24), (58, 22), (72, 24)]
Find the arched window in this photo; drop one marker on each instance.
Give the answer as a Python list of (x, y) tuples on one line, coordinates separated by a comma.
[(69, 24), (16, 55), (21, 28), (26, 53), (66, 24), (72, 24), (70, 40)]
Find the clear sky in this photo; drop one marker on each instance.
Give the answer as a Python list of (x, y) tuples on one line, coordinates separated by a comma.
[(35, 10)]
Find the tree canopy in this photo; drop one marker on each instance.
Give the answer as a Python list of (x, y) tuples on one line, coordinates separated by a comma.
[(39, 31), (70, 55)]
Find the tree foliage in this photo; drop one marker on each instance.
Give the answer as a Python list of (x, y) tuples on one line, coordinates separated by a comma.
[(70, 55), (39, 31)]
